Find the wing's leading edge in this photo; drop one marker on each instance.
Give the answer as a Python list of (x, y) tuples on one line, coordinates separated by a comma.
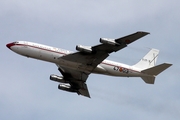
[(89, 61), (123, 42)]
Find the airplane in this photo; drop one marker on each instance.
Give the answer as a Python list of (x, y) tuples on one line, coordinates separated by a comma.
[(75, 67)]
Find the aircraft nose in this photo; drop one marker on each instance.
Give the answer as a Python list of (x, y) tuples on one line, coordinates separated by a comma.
[(9, 45)]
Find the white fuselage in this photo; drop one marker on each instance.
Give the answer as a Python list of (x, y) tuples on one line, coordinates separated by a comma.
[(53, 55)]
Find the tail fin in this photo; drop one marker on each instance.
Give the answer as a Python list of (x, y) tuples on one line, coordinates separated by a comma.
[(149, 60), (154, 71)]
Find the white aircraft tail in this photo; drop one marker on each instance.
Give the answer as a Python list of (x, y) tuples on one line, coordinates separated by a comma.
[(149, 60), (147, 66)]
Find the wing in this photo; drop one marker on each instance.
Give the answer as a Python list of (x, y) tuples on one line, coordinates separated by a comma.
[(87, 62), (123, 42), (76, 79)]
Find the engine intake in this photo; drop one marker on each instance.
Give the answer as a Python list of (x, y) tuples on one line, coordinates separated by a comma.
[(66, 87), (86, 49), (57, 78), (108, 41)]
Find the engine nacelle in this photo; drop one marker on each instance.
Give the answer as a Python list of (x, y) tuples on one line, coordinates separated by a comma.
[(108, 41), (66, 87), (57, 78), (85, 49)]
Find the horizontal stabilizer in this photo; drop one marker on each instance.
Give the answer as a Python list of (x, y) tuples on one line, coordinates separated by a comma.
[(149, 80), (157, 69), (153, 72)]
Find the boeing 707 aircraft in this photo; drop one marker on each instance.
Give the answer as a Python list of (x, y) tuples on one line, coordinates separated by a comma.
[(75, 67)]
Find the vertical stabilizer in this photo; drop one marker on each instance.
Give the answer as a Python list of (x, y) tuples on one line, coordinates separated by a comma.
[(149, 60)]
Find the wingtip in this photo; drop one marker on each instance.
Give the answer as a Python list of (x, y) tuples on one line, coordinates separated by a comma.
[(142, 32), (169, 64)]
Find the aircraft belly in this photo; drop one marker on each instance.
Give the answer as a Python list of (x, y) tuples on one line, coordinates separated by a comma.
[(72, 65), (25, 51), (39, 54), (36, 53), (47, 56)]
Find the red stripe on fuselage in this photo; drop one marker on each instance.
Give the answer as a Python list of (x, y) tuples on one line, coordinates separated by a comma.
[(12, 44), (40, 48)]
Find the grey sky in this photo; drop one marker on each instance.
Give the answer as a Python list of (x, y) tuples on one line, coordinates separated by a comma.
[(26, 91)]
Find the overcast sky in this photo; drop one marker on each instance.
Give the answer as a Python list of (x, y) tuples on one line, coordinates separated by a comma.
[(26, 93)]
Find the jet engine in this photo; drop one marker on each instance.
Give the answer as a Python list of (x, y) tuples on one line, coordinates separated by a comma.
[(86, 49), (108, 41), (66, 87), (57, 78)]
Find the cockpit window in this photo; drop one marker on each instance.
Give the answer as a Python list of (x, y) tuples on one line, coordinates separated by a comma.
[(16, 42)]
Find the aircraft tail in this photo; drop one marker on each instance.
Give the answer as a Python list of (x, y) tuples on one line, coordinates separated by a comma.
[(147, 66), (153, 72), (149, 60)]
